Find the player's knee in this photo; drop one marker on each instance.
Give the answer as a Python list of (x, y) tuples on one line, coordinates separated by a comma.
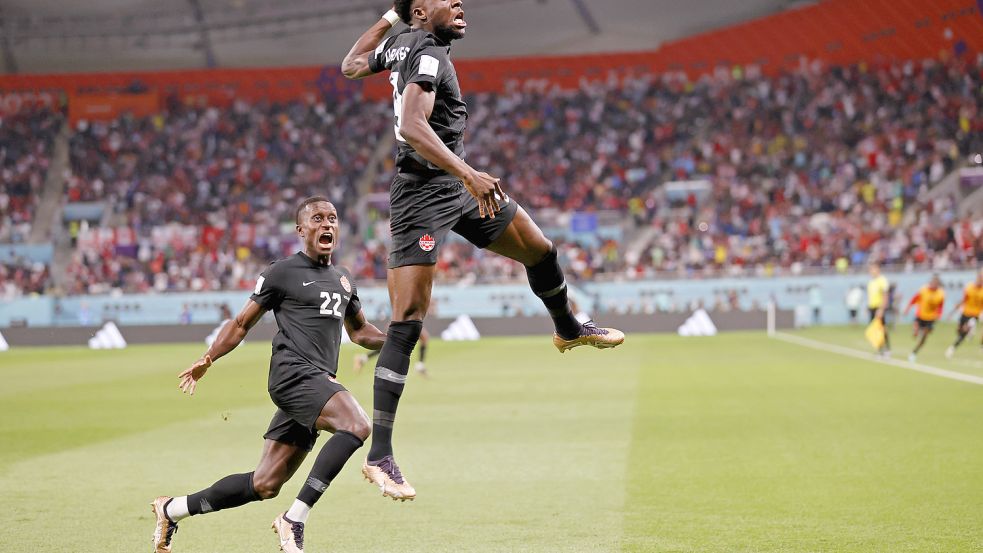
[(357, 426), (266, 486), (411, 312), (540, 251)]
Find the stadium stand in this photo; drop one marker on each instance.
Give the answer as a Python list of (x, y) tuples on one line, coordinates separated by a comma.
[(776, 175)]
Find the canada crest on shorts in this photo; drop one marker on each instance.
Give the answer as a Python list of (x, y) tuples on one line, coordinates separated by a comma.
[(345, 284), (427, 243)]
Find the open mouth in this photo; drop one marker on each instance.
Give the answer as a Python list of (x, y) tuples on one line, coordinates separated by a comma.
[(325, 239), (459, 20)]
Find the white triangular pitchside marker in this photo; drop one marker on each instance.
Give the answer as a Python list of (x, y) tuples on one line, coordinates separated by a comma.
[(698, 324), (108, 337), (461, 329)]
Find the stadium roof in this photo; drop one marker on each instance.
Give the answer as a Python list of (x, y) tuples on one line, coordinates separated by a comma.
[(44, 36)]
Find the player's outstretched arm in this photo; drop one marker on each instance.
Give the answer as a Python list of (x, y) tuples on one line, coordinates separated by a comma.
[(356, 63), (364, 333), (231, 335), (415, 128)]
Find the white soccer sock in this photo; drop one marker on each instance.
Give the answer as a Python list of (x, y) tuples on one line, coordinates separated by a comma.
[(298, 511), (177, 508)]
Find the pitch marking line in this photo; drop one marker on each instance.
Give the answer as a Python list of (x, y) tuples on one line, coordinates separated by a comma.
[(867, 356)]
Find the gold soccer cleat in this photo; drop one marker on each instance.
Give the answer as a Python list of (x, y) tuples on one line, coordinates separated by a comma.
[(165, 529), (591, 335), (291, 534), (385, 474)]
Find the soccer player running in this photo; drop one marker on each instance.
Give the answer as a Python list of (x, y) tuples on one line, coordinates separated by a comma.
[(436, 191), (929, 300), (877, 304), (311, 300), (972, 305)]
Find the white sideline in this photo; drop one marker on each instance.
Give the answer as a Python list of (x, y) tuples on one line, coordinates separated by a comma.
[(867, 356)]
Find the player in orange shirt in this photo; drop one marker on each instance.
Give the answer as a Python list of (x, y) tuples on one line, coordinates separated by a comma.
[(929, 300), (972, 305)]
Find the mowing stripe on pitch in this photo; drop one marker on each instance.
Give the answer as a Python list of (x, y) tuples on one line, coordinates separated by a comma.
[(867, 356)]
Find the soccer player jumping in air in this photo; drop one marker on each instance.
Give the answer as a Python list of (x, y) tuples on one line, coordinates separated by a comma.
[(436, 191), (311, 300), (972, 305)]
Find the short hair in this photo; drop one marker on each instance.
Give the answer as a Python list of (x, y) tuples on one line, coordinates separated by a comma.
[(307, 202), (404, 9)]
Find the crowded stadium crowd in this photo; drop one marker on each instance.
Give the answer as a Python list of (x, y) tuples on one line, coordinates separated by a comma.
[(817, 170)]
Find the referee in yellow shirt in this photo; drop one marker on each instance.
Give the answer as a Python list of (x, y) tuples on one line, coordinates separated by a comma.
[(972, 305), (877, 289)]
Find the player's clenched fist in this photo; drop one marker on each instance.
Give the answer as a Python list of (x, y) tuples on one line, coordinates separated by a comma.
[(190, 376)]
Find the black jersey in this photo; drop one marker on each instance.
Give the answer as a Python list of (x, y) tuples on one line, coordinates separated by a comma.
[(416, 56), (310, 303)]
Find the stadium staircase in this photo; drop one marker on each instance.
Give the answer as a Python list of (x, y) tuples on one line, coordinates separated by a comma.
[(640, 242), (383, 149), (48, 212), (972, 204), (948, 186)]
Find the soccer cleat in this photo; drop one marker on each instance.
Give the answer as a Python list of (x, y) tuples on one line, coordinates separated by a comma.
[(949, 352), (912, 357), (591, 335), (360, 360), (165, 529), (421, 368), (291, 534), (385, 474)]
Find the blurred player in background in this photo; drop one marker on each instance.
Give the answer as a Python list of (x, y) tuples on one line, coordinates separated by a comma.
[(877, 291), (436, 191), (972, 306), (420, 367), (311, 299), (929, 301)]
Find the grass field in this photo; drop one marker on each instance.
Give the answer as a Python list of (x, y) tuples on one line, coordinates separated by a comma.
[(733, 443)]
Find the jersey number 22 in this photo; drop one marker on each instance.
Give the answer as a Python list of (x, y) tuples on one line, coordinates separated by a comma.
[(333, 311)]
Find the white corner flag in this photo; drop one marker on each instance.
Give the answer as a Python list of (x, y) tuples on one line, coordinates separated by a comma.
[(4, 346), (108, 337), (461, 329), (698, 324)]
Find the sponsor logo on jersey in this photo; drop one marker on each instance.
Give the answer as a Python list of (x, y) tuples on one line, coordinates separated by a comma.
[(345, 284), (427, 243)]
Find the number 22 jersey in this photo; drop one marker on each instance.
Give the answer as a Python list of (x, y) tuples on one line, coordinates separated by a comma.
[(310, 303)]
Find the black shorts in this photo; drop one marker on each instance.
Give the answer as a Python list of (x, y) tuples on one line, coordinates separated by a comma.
[(422, 213), (927, 325), (873, 313), (299, 405), (964, 320)]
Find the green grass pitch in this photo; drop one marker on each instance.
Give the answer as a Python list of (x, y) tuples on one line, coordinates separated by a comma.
[(735, 443)]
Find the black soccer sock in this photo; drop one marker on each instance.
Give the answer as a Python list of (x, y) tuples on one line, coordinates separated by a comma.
[(232, 491), (332, 457), (546, 281), (423, 352), (960, 336), (390, 377)]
